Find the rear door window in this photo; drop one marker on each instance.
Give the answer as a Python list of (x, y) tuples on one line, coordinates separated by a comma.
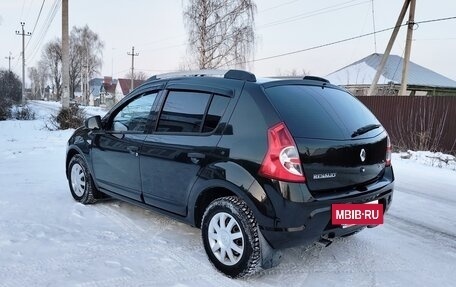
[(191, 112), (320, 113), (215, 113)]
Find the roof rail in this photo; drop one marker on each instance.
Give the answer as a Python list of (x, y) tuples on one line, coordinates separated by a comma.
[(227, 74), (195, 73), (314, 78), (240, 75)]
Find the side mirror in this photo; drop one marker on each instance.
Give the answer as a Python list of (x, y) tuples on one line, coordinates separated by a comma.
[(93, 123)]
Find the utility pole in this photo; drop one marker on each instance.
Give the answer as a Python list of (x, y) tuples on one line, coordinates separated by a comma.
[(9, 61), (385, 57), (408, 48), (133, 55), (65, 57), (23, 34)]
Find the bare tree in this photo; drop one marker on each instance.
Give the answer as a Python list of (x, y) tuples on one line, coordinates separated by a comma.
[(294, 73), (35, 82), (220, 32), (420, 126), (38, 77), (86, 52), (10, 92), (52, 57), (75, 63), (43, 75), (85, 59), (138, 75)]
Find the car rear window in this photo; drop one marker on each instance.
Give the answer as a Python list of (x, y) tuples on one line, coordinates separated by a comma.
[(322, 113)]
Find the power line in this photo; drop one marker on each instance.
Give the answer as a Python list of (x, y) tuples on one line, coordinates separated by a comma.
[(278, 6), (45, 27), (28, 10), (274, 23), (320, 11), (301, 16), (435, 20), (320, 46), (339, 41), (184, 35), (42, 33), (36, 22), (47, 23), (434, 39)]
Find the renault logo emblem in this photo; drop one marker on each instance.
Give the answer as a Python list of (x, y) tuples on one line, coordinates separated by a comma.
[(362, 155)]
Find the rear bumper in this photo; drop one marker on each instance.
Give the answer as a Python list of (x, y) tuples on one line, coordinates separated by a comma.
[(303, 223)]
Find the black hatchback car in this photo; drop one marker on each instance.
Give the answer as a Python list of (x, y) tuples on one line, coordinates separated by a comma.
[(255, 163)]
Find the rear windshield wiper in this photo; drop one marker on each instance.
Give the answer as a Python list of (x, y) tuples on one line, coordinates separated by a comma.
[(365, 129)]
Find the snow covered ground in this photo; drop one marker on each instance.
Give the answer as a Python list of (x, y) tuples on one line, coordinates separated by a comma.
[(47, 239)]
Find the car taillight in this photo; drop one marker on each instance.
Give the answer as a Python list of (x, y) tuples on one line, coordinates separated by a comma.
[(388, 151), (282, 158)]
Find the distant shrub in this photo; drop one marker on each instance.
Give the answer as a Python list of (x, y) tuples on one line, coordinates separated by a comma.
[(22, 113), (10, 93), (10, 86), (67, 118), (5, 108)]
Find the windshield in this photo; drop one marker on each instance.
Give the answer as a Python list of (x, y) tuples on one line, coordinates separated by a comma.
[(321, 113)]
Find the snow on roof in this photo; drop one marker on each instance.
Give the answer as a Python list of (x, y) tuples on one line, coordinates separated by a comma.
[(126, 83), (363, 71)]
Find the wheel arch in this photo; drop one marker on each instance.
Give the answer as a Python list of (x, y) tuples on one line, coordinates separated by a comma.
[(206, 191), (71, 152), (205, 198)]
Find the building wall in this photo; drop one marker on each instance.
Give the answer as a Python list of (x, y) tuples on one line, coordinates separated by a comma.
[(417, 122), (393, 90), (118, 94)]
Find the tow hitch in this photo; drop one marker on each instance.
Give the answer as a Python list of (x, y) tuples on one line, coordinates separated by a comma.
[(325, 241)]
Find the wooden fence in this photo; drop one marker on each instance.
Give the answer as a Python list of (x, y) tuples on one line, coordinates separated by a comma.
[(418, 123)]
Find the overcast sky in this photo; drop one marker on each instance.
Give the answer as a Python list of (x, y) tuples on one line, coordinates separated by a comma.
[(157, 31)]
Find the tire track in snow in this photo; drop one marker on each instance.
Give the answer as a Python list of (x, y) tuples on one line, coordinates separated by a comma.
[(416, 228), (182, 269), (124, 222), (151, 223), (432, 197)]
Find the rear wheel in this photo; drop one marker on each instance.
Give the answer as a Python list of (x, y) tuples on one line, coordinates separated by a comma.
[(230, 237), (80, 181)]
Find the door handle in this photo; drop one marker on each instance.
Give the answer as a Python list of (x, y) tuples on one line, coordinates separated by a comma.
[(133, 149), (196, 155)]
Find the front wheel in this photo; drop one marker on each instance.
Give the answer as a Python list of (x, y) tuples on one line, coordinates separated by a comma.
[(230, 237), (80, 181)]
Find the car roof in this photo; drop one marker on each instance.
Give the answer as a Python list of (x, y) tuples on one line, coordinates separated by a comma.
[(242, 76)]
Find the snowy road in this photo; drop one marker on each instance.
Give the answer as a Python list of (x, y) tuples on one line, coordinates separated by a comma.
[(47, 239)]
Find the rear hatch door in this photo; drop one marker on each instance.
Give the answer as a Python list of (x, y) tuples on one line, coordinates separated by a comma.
[(341, 143)]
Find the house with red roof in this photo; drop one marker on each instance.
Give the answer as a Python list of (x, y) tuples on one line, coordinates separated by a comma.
[(123, 87)]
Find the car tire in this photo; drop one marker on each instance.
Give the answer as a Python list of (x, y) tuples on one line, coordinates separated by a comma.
[(80, 181), (230, 237)]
